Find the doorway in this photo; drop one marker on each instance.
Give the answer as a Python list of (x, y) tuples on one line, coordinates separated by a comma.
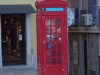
[(13, 39), (85, 56)]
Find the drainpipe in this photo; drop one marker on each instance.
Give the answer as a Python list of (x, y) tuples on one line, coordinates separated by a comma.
[(80, 8)]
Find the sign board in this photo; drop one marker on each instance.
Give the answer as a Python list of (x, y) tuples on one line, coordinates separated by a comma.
[(84, 29)]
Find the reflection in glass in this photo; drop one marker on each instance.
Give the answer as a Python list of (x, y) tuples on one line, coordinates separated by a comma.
[(53, 45), (59, 37), (47, 38), (48, 30), (53, 22), (59, 29), (47, 22), (13, 39), (48, 46), (58, 22), (53, 41), (53, 29), (53, 37)]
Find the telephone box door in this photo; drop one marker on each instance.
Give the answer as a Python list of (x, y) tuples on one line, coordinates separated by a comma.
[(54, 46)]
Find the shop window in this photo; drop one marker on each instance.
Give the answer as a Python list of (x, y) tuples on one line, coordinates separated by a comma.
[(13, 39)]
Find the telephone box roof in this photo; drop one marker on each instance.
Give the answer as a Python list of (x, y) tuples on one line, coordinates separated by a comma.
[(40, 3), (50, 0)]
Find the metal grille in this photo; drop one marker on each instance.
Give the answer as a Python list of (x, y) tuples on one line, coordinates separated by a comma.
[(92, 60), (92, 56)]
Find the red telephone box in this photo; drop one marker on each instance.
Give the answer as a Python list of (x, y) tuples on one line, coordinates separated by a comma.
[(52, 50)]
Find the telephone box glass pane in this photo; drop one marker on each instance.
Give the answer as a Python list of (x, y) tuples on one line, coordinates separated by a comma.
[(53, 22), (53, 29), (58, 22), (53, 45), (59, 29), (48, 46), (59, 37), (48, 38), (53, 53), (53, 41), (53, 37), (47, 30), (59, 45), (47, 22)]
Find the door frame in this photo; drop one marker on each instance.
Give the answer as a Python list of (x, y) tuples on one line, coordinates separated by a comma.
[(28, 46), (85, 57)]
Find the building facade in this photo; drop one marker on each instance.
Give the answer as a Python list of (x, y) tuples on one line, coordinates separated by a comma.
[(18, 34), (84, 40)]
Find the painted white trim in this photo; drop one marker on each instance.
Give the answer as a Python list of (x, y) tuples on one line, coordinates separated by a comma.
[(28, 47), (0, 45)]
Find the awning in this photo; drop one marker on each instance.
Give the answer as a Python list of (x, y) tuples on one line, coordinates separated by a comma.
[(16, 9)]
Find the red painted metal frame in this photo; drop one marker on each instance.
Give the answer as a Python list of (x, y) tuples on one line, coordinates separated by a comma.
[(41, 17)]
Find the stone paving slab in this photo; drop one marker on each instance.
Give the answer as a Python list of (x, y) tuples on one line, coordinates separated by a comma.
[(18, 71)]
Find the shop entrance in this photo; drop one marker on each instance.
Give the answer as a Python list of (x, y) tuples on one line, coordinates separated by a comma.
[(85, 56), (13, 39)]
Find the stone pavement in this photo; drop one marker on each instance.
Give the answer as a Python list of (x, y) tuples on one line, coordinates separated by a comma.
[(18, 71)]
